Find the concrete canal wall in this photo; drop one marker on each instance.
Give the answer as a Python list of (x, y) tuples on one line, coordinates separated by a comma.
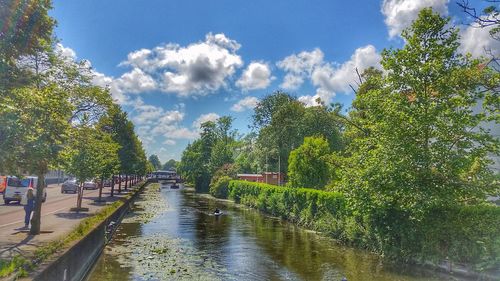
[(76, 262)]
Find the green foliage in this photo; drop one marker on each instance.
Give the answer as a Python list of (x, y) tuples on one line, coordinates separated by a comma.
[(27, 30), (155, 161), (35, 125), (170, 164), (218, 188), (462, 234), (284, 122), (214, 149), (308, 166), (421, 142)]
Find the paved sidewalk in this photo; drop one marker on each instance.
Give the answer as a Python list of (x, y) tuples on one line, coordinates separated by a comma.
[(57, 220)]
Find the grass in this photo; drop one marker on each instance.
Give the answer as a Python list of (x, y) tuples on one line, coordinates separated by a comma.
[(19, 266)]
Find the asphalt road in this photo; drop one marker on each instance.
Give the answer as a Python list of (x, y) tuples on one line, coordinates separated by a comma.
[(56, 201)]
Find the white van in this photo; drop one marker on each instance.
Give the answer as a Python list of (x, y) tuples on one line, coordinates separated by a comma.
[(17, 187)]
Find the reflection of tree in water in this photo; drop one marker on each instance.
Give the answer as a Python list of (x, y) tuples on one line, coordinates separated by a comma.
[(314, 257), (211, 233)]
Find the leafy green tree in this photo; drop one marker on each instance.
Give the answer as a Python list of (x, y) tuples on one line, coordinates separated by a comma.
[(170, 164), (214, 149), (36, 123), (26, 31), (121, 129), (265, 109), (424, 143), (108, 161), (91, 154), (308, 165), (155, 161), (287, 124)]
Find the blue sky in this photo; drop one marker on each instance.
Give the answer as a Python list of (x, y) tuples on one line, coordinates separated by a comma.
[(173, 64)]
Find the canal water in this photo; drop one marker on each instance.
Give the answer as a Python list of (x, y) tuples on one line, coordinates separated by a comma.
[(171, 234)]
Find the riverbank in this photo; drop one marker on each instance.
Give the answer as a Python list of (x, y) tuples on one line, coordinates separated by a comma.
[(61, 231), (467, 234), (173, 234)]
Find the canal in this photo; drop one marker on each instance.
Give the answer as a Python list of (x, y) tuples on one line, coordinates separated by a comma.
[(172, 234)]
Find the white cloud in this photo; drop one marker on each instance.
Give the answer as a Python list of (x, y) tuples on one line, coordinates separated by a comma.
[(196, 69), (298, 66), (169, 142), (337, 79), (117, 94), (205, 118), (256, 76), (65, 52), (399, 14), (244, 104), (135, 81), (328, 78), (477, 41)]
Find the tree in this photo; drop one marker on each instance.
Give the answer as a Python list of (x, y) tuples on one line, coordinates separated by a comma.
[(109, 162), (155, 161), (265, 109), (284, 122), (424, 143), (121, 129), (489, 18), (90, 154), (35, 123), (170, 164), (308, 165), (26, 31), (201, 159)]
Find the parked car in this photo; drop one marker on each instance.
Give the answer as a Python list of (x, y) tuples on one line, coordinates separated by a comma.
[(90, 185), (17, 187), (3, 183), (71, 185), (107, 183)]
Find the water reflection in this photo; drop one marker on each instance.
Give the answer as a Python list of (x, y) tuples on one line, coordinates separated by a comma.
[(242, 244)]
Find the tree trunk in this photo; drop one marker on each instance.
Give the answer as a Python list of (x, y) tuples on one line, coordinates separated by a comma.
[(100, 189), (112, 185), (79, 197), (126, 182), (119, 183), (36, 219)]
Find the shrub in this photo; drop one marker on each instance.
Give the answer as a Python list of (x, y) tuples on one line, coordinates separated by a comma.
[(219, 188), (463, 234)]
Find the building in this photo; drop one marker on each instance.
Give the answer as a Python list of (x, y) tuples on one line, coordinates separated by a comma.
[(251, 177), (266, 177)]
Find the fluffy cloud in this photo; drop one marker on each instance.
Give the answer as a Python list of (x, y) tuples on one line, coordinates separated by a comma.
[(298, 66), (205, 118), (256, 76), (244, 104), (399, 14), (65, 52), (135, 81), (328, 78), (196, 69), (337, 79), (477, 41)]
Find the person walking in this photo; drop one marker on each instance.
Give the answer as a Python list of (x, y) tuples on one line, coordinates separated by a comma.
[(29, 205)]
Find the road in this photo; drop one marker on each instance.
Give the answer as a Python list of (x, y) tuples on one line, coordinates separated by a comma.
[(13, 213), (57, 219)]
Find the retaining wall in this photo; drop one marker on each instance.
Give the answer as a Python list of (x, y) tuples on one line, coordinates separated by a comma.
[(75, 263)]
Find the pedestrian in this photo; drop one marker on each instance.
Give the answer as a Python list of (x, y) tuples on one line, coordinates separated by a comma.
[(29, 205)]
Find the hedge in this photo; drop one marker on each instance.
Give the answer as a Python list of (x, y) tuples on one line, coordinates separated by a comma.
[(463, 234)]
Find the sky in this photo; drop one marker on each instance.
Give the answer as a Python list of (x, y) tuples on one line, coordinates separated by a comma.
[(175, 64)]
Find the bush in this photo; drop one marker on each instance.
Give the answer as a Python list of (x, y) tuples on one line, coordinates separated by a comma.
[(463, 234), (219, 188)]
